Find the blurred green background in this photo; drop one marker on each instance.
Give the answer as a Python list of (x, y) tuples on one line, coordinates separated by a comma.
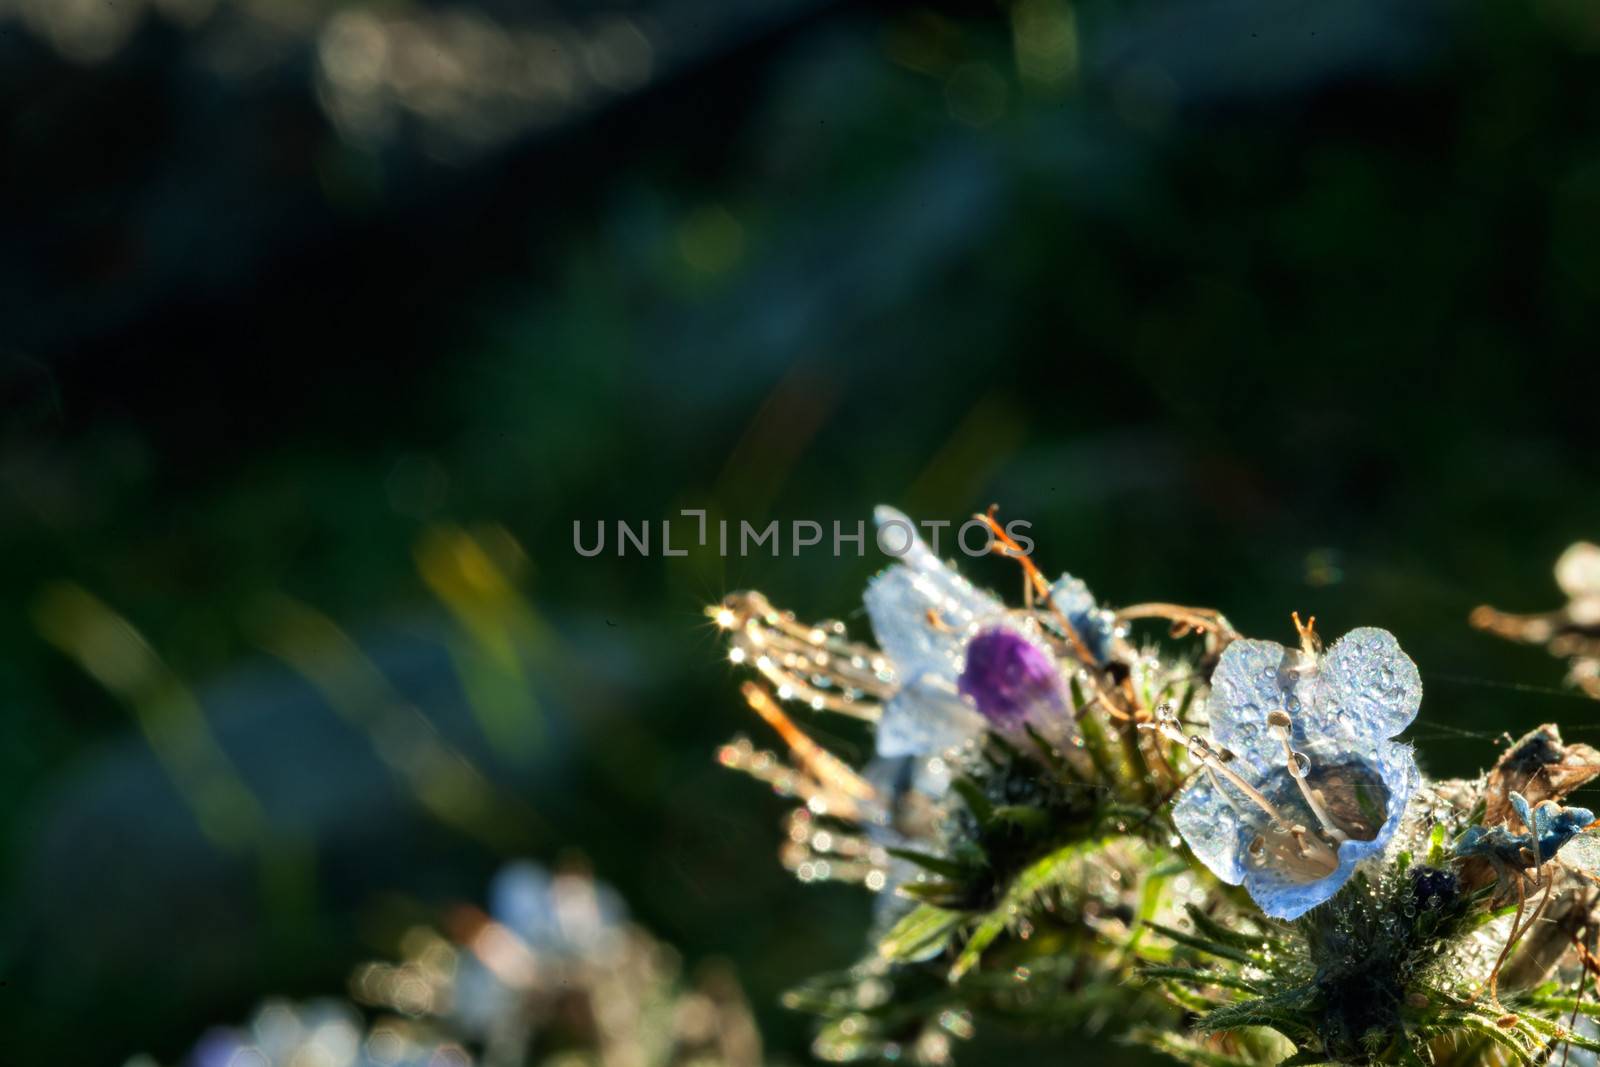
[(323, 322)]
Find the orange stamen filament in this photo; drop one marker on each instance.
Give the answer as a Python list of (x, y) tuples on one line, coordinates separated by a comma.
[(1036, 583), (828, 768)]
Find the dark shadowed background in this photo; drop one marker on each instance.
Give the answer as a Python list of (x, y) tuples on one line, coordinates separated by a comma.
[(321, 323)]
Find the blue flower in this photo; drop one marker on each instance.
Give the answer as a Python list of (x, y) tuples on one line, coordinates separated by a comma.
[(563, 915), (963, 663), (1548, 828), (325, 1032), (1551, 824), (544, 934), (913, 817), (1096, 626), (1315, 784)]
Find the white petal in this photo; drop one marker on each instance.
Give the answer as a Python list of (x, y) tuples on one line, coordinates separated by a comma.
[(926, 717), (1369, 689), (900, 599), (1582, 852), (1211, 828), (1252, 680)]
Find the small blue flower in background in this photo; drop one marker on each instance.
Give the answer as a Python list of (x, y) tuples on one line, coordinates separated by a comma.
[(1552, 825), (962, 662), (1096, 626), (561, 914), (545, 934), (557, 919), (1316, 784), (326, 1033), (1549, 828)]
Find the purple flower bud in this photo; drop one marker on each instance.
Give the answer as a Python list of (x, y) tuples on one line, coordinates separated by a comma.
[(1006, 675)]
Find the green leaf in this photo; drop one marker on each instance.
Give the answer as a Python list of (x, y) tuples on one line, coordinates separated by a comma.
[(942, 893), (1305, 1058), (1562, 1004), (1033, 880), (1436, 849), (921, 934), (1488, 1028), (1484, 918), (1047, 752), (977, 803), (1201, 944), (1200, 976), (1544, 1028), (1094, 737), (1410, 1056), (1210, 928), (949, 868), (847, 1040), (992, 926), (1150, 896), (1027, 819), (1128, 813), (1187, 702), (1183, 1049), (1284, 1012)]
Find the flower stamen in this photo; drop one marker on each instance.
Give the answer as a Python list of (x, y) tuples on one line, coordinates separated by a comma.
[(1278, 724), (1310, 642), (1310, 847)]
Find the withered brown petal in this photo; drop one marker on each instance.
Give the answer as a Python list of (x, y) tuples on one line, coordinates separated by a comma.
[(1540, 766)]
